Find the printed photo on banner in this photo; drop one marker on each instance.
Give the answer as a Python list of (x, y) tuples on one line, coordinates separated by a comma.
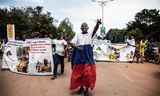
[(32, 56)]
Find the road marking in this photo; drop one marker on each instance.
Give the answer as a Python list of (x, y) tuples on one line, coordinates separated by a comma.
[(125, 75)]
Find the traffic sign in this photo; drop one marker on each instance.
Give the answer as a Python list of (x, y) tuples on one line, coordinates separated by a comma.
[(102, 31)]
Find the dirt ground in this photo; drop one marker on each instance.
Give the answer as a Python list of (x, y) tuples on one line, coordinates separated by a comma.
[(113, 79)]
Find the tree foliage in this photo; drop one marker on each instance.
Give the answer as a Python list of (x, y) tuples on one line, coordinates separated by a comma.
[(148, 22), (28, 20), (66, 29), (116, 35), (137, 34)]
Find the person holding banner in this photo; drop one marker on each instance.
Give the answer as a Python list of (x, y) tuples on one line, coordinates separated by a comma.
[(58, 56), (2, 46), (130, 41), (83, 65), (136, 53)]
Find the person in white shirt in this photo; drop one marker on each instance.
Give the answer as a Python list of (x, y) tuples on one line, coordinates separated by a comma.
[(132, 45), (2, 46), (58, 56), (131, 41), (83, 65)]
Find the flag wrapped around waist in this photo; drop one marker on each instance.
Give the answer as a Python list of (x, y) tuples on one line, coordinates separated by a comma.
[(83, 68)]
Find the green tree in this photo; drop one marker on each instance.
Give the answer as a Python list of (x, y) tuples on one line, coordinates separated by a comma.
[(66, 29), (116, 35), (3, 19), (136, 33), (41, 22), (148, 21), (26, 21)]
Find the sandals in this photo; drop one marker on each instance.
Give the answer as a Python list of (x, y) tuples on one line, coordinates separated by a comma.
[(80, 91), (86, 93)]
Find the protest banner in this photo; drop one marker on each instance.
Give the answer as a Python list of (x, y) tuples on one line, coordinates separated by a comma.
[(33, 57), (104, 51)]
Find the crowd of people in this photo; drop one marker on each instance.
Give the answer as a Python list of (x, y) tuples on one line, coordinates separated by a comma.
[(144, 49), (83, 65), (82, 62)]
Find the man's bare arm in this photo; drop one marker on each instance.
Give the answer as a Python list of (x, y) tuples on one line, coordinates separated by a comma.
[(96, 27), (74, 46)]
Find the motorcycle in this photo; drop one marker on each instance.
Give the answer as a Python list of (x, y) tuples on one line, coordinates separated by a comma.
[(157, 56), (153, 55)]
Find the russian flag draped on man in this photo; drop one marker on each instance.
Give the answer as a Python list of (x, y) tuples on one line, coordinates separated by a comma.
[(83, 66)]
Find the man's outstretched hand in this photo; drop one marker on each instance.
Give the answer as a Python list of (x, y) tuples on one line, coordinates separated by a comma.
[(97, 26), (99, 21)]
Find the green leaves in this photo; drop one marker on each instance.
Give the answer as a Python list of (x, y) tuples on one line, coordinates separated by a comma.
[(148, 22), (66, 29), (28, 20)]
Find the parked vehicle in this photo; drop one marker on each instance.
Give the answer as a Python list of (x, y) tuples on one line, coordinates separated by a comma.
[(157, 56), (153, 55)]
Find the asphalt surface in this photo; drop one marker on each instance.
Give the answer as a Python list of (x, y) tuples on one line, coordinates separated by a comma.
[(113, 79)]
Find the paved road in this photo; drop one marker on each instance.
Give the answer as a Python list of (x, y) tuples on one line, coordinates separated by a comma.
[(113, 79)]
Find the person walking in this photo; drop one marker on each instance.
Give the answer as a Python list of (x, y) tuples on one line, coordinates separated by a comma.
[(83, 65), (137, 53), (58, 57), (142, 46), (150, 46), (131, 45)]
